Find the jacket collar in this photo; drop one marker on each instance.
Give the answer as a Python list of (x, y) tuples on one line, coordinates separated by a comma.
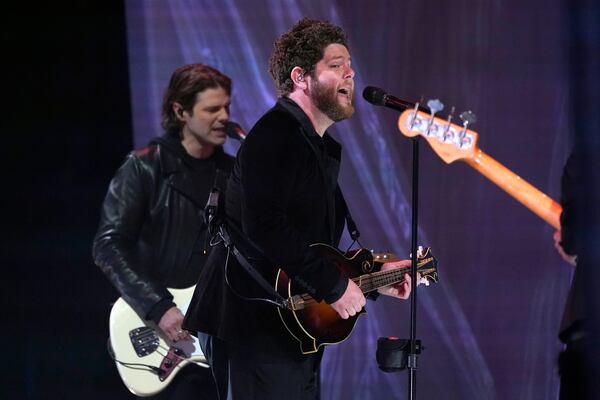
[(334, 148)]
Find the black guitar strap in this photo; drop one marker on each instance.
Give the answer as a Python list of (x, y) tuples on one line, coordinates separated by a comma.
[(278, 300), (350, 224)]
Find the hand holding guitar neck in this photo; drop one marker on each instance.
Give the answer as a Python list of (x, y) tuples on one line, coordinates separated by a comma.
[(400, 289)]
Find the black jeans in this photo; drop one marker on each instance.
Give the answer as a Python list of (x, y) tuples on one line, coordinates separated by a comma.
[(191, 383), (576, 382), (215, 351), (244, 374)]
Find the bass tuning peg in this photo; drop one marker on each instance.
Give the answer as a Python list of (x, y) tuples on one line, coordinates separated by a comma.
[(435, 106)]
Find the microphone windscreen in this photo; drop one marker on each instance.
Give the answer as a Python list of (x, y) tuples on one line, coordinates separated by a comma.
[(374, 95), (234, 130)]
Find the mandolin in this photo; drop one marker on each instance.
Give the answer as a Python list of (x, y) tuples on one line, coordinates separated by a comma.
[(314, 324)]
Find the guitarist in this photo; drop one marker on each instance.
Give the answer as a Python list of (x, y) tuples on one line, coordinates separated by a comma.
[(575, 362), (281, 197), (151, 233)]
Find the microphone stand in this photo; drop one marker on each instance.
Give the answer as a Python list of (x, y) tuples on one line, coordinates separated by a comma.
[(414, 350), (379, 97)]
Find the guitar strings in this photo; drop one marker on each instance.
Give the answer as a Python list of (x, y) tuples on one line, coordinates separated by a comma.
[(369, 284)]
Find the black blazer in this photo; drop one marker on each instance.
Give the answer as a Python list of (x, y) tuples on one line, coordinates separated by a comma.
[(283, 195)]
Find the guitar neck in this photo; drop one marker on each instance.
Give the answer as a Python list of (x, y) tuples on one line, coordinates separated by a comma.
[(514, 185)]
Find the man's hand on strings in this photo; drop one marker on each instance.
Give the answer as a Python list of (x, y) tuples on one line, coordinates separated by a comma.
[(400, 290), (170, 324)]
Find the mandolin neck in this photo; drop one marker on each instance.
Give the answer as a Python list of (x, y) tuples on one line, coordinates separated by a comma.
[(514, 185), (371, 282)]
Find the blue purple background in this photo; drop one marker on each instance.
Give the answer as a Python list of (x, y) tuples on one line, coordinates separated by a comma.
[(86, 81), (490, 325)]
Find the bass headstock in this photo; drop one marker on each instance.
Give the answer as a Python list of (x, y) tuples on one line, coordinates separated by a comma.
[(450, 141)]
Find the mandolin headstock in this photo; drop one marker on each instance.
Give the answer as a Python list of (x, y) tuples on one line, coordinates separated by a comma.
[(426, 263)]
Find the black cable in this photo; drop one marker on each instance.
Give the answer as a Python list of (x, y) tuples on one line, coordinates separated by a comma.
[(138, 366)]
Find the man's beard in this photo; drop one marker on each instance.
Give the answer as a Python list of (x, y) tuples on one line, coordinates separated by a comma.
[(325, 99)]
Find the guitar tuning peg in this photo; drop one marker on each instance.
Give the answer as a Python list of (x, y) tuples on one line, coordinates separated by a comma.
[(445, 135), (414, 116), (468, 118), (435, 106), (451, 114)]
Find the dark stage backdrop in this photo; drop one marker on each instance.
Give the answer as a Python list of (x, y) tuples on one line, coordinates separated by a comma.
[(490, 325), (66, 125)]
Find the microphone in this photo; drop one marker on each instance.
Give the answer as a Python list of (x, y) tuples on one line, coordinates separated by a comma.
[(379, 97), (234, 130)]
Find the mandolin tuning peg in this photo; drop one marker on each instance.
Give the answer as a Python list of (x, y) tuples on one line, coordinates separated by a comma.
[(468, 118), (435, 106), (423, 281)]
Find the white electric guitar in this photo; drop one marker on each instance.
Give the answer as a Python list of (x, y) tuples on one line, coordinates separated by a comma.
[(146, 360)]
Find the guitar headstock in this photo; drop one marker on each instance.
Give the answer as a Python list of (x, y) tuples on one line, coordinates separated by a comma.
[(427, 265), (450, 141)]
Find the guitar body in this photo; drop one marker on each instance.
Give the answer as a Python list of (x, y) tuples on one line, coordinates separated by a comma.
[(138, 343), (320, 324)]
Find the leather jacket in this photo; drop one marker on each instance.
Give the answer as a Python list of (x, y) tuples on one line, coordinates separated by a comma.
[(151, 233)]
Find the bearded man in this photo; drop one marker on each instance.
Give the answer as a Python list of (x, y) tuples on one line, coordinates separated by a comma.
[(282, 196)]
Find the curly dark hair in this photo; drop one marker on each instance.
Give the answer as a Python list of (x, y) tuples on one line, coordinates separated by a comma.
[(186, 82), (301, 46)]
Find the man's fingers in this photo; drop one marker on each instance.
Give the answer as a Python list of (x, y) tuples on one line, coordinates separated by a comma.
[(353, 310), (176, 334)]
